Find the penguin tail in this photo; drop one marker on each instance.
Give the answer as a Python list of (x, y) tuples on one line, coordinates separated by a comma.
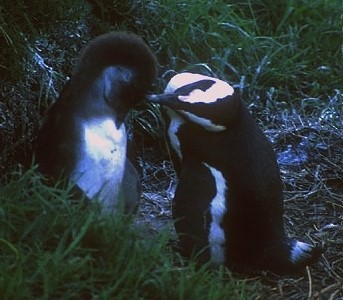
[(300, 255), (292, 257)]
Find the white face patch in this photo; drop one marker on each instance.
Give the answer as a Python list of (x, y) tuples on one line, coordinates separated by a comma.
[(300, 252), (205, 123), (99, 170), (220, 89), (218, 209)]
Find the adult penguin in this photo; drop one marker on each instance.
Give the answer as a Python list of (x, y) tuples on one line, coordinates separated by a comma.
[(228, 204), (83, 136)]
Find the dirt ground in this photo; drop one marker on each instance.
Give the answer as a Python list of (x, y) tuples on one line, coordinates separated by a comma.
[(313, 207), (310, 153)]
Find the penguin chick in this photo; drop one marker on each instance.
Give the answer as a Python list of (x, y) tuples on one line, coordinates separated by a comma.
[(83, 136), (228, 204)]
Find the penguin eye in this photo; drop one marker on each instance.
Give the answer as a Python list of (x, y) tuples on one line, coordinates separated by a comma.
[(202, 85)]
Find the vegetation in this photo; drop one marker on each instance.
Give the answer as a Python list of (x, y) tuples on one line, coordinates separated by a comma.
[(286, 59), (53, 247)]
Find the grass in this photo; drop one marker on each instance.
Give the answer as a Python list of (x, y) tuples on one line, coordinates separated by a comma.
[(54, 247), (285, 57), (24, 29), (257, 43), (294, 46), (280, 53)]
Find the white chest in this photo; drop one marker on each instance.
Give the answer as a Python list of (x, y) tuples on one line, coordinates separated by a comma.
[(175, 122), (218, 209), (100, 167)]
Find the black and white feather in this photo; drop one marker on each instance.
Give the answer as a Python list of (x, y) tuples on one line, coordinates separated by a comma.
[(228, 205)]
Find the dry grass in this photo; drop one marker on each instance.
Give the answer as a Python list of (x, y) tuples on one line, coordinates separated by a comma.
[(314, 211), (313, 206), (278, 67)]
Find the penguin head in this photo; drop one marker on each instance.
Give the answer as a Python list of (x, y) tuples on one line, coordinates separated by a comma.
[(121, 90), (113, 74), (203, 100)]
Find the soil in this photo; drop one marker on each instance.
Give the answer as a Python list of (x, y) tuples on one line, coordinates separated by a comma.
[(313, 207), (310, 155)]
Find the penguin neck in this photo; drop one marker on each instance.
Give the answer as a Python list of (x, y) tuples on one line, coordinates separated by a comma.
[(102, 95), (199, 145)]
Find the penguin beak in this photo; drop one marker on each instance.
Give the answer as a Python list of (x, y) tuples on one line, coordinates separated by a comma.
[(162, 98)]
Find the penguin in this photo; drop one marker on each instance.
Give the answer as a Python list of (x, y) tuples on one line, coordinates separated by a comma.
[(83, 135), (228, 203)]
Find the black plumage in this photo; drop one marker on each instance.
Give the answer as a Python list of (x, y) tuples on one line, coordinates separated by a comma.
[(228, 204)]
